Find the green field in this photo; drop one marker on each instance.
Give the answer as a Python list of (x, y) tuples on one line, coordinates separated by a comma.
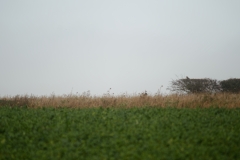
[(115, 133)]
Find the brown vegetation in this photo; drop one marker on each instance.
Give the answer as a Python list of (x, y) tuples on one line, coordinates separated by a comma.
[(226, 100)]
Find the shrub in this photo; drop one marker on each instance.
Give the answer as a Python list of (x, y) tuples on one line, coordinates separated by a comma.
[(188, 85), (231, 85)]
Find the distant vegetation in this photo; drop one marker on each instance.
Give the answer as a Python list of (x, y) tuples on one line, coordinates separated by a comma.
[(85, 100), (230, 85), (206, 85), (186, 93)]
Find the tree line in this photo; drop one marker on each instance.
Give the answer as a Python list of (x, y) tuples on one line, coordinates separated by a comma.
[(204, 85)]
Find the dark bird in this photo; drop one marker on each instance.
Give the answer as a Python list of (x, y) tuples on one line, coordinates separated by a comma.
[(187, 77)]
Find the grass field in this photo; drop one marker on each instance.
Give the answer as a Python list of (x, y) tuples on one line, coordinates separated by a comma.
[(119, 133)]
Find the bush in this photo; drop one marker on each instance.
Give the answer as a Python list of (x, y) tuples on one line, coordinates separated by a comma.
[(230, 85), (188, 85)]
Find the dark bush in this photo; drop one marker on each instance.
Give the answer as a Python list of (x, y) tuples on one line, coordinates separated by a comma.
[(231, 85)]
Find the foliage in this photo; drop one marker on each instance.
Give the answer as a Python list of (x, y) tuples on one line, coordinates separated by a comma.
[(135, 133), (231, 85), (188, 85), (205, 100)]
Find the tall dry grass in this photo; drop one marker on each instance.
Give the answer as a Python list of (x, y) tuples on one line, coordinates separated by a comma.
[(86, 100)]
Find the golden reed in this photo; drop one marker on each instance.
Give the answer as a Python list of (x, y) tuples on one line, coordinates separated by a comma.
[(223, 100)]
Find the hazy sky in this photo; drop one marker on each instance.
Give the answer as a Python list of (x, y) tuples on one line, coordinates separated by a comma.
[(58, 46)]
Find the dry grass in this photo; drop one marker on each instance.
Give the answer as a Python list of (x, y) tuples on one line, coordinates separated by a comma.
[(85, 100)]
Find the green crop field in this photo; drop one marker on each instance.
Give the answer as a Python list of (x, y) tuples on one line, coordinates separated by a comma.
[(118, 133)]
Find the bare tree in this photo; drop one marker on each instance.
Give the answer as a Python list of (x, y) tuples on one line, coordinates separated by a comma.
[(188, 85)]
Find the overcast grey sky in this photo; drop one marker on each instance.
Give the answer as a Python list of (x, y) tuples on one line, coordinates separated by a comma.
[(58, 46)]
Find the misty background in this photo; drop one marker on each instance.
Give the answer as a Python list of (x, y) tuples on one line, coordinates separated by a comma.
[(60, 47)]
